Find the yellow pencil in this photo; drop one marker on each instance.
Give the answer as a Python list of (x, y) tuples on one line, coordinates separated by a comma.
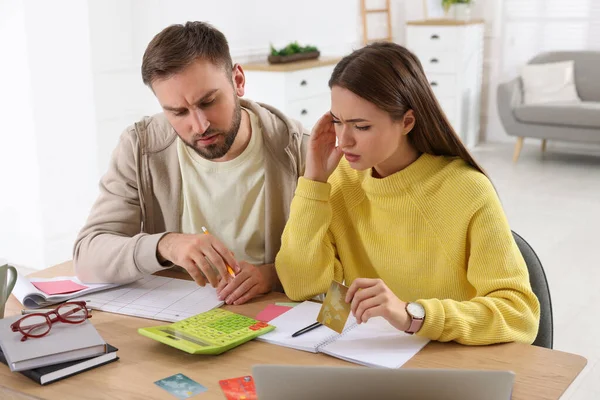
[(229, 269)]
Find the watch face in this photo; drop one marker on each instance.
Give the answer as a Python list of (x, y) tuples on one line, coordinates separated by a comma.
[(416, 310)]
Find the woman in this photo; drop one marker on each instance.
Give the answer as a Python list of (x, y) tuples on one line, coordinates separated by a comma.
[(407, 218)]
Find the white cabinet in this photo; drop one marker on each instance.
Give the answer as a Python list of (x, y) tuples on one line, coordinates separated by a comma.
[(451, 53), (299, 89)]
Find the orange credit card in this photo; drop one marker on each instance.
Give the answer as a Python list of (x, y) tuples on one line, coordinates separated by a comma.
[(241, 388)]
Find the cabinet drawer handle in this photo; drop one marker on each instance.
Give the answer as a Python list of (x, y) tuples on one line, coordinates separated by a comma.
[(303, 112), (434, 37), (303, 82), (434, 61), (434, 83)]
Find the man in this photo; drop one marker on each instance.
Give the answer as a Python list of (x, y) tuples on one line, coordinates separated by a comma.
[(209, 160)]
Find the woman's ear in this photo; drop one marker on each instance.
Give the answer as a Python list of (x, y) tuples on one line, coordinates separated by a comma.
[(408, 122)]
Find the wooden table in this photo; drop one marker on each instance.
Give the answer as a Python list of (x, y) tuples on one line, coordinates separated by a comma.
[(540, 373)]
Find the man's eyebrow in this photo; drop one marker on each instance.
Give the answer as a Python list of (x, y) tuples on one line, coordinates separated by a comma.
[(201, 100)]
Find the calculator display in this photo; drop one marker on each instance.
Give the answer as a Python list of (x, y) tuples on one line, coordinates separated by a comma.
[(180, 335)]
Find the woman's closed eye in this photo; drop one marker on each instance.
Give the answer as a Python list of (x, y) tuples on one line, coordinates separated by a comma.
[(357, 127)]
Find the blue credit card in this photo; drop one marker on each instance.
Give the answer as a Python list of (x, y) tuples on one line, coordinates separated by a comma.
[(181, 386)]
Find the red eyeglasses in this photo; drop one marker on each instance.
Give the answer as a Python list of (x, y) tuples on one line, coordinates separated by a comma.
[(39, 324)]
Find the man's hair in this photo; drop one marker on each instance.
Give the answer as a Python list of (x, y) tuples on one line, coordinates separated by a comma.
[(178, 46)]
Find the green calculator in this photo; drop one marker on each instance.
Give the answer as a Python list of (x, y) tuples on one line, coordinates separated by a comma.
[(212, 332)]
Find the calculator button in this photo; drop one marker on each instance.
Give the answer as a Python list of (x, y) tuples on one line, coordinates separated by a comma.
[(220, 328)]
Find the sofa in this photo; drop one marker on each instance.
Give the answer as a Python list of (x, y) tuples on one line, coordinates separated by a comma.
[(576, 122)]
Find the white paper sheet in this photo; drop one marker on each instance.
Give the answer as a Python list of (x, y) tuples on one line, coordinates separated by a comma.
[(156, 297)]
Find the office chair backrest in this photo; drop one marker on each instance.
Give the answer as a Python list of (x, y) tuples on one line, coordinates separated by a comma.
[(539, 285)]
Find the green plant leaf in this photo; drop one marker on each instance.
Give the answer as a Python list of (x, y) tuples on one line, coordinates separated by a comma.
[(292, 48)]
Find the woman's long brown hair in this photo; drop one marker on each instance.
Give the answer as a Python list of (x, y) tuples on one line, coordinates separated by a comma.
[(392, 78)]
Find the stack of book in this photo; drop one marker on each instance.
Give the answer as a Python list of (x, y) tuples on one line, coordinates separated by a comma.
[(66, 350)]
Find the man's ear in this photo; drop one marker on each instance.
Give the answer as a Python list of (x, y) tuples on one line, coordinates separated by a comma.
[(238, 79), (408, 122)]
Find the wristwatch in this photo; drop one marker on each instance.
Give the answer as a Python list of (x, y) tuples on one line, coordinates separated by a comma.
[(416, 312)]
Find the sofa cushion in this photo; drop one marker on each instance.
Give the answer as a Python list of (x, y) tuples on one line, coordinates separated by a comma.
[(549, 83), (585, 114), (587, 73)]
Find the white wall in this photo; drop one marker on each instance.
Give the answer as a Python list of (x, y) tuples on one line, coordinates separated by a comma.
[(48, 140), (63, 111), (335, 26), (74, 84), (492, 12), (250, 26), (20, 206)]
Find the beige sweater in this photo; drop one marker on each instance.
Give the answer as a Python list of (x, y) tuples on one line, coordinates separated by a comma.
[(140, 196)]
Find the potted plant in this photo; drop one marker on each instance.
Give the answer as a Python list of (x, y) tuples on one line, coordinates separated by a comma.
[(446, 4), (461, 8), (293, 52)]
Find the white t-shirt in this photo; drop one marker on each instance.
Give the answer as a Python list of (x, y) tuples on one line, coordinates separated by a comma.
[(228, 198)]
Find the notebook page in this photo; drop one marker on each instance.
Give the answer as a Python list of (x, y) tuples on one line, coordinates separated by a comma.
[(156, 297), (375, 344), (292, 321)]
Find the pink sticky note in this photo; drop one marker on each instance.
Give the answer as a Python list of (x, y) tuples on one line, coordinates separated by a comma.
[(271, 312), (58, 287)]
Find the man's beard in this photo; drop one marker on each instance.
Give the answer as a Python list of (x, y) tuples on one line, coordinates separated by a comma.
[(215, 150)]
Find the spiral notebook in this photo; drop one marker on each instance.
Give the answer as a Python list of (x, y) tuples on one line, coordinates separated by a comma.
[(373, 344)]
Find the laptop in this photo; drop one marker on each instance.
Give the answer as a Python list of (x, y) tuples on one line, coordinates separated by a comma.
[(276, 382)]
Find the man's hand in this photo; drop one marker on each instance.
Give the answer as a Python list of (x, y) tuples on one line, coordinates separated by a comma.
[(193, 252), (248, 283)]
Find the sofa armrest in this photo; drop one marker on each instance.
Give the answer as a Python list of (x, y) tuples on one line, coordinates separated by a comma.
[(509, 96), (511, 93)]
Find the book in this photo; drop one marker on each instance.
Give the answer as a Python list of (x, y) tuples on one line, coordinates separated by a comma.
[(64, 342), (373, 344), (32, 297), (56, 372)]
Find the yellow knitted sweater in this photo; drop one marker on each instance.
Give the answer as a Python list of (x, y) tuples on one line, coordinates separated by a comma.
[(434, 232)]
